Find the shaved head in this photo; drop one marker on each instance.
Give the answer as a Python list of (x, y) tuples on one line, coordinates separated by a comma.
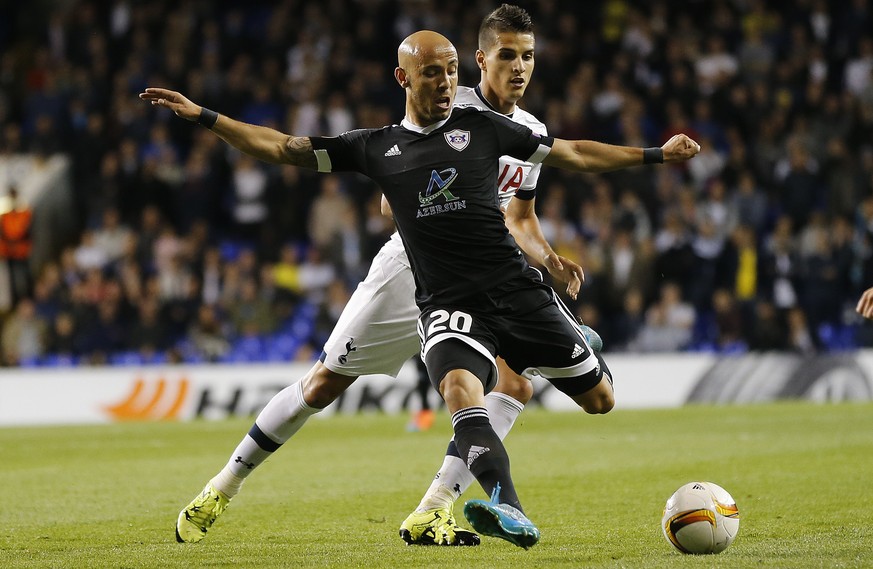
[(422, 44), (427, 69)]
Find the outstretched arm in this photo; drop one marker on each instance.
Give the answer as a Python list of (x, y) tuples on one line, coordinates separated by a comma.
[(259, 142), (865, 304), (591, 156), (524, 225)]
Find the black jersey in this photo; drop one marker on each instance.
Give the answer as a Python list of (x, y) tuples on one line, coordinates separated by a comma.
[(440, 182)]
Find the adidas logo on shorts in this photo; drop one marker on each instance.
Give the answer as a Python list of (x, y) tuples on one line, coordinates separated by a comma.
[(393, 151), (577, 351)]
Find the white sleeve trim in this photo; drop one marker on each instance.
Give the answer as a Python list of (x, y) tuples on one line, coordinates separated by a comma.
[(530, 181), (323, 159), (540, 154)]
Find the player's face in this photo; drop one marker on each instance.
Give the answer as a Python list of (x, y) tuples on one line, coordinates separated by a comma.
[(433, 82), (508, 65)]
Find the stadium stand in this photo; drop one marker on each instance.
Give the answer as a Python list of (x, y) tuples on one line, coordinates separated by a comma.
[(762, 242)]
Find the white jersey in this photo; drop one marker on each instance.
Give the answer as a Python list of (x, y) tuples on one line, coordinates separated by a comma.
[(376, 332), (514, 176)]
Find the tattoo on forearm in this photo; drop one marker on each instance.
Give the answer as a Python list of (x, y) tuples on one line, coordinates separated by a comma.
[(298, 151)]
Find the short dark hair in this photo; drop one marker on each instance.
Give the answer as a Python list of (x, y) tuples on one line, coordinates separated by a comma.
[(506, 18)]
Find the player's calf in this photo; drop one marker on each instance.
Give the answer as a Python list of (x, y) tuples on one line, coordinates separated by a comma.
[(512, 384), (600, 398), (321, 386), (598, 401)]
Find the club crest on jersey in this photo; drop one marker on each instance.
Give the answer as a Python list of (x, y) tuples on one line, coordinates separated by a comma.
[(458, 139)]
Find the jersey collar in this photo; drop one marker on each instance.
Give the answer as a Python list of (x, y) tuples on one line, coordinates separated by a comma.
[(407, 124), (478, 91)]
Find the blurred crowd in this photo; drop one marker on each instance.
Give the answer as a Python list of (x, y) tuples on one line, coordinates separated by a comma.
[(190, 251)]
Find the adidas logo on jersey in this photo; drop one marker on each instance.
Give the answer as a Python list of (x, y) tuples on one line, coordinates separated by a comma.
[(475, 452), (393, 151), (577, 351)]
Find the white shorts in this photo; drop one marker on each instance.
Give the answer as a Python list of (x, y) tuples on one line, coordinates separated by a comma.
[(376, 332)]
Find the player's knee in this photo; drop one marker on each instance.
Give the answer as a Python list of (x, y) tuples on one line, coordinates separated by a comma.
[(322, 386), (460, 389), (515, 386)]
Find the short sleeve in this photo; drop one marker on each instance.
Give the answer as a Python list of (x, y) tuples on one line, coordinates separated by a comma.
[(528, 189), (521, 142), (343, 153)]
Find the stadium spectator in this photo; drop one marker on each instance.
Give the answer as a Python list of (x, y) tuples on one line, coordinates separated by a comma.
[(209, 334), (315, 275), (178, 312), (48, 293), (248, 199), (857, 71), (24, 335), (669, 322), (797, 177), (286, 274), (800, 337), (821, 275), (112, 236), (336, 298), (729, 325), (768, 332), (708, 246), (329, 213), (195, 200), (62, 336), (748, 204), (148, 334), (250, 314), (626, 265), (87, 255), (377, 227), (16, 244), (211, 276)]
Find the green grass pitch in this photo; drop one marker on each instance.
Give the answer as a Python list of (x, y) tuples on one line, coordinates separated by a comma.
[(107, 496)]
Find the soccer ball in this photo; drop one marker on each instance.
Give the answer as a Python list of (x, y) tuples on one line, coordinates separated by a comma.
[(700, 517)]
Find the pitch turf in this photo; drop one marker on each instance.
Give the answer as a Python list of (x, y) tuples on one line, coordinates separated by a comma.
[(108, 496)]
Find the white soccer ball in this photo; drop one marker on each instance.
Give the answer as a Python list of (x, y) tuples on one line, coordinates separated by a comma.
[(701, 517)]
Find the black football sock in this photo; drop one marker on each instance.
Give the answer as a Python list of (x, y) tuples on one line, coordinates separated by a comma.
[(480, 447)]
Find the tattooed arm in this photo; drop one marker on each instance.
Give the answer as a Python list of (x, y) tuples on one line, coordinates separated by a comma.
[(260, 142)]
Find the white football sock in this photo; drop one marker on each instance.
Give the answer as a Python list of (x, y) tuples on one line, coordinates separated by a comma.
[(229, 484), (283, 416), (286, 412), (453, 477), (503, 410)]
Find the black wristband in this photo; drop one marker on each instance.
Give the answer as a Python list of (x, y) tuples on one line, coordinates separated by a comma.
[(207, 118), (654, 155)]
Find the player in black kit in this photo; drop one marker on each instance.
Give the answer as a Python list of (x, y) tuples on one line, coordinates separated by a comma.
[(477, 294)]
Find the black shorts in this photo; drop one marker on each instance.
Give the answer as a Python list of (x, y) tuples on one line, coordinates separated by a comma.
[(526, 324)]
